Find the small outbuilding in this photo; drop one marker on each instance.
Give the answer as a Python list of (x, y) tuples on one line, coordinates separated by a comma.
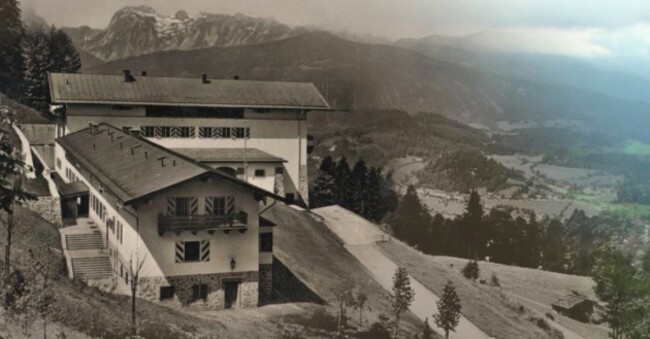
[(575, 307)]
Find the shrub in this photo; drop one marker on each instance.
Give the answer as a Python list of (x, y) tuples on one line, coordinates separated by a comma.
[(471, 270), (494, 280)]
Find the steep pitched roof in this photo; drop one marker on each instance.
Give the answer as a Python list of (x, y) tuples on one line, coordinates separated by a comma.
[(228, 155), (39, 134), (166, 91), (131, 167)]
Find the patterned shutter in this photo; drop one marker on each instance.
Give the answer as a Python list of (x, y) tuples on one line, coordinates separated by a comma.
[(175, 132), (171, 206), (194, 206), (180, 251), (158, 131), (217, 132), (230, 205), (209, 207), (205, 250), (192, 132)]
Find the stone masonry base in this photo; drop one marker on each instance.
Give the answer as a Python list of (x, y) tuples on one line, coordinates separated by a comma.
[(248, 295), (266, 282)]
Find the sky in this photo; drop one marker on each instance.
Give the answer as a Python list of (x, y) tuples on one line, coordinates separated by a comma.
[(584, 28)]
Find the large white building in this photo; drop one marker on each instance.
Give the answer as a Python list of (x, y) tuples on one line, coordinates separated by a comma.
[(178, 172), (256, 129)]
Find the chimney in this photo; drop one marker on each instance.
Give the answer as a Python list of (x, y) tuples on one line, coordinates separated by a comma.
[(92, 128), (127, 76), (162, 161), (144, 73), (236, 77), (204, 78)]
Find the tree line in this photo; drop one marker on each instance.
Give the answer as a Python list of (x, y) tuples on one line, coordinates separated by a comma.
[(363, 190), (505, 237), (27, 57)]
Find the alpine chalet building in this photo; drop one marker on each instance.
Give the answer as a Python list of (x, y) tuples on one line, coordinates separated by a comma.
[(255, 129)]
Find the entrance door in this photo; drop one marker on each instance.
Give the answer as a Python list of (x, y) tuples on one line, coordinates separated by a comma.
[(82, 206), (231, 290)]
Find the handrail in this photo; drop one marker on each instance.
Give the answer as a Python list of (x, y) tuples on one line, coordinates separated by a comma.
[(202, 222)]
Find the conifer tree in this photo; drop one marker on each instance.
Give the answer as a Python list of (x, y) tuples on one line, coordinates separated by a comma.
[(411, 220), (470, 227), (342, 175), (11, 56), (37, 64), (400, 298), (359, 184), (63, 55), (448, 309)]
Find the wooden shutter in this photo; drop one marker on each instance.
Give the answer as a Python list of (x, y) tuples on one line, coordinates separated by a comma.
[(194, 206), (205, 250), (180, 251), (175, 132), (171, 206), (209, 207), (230, 205)]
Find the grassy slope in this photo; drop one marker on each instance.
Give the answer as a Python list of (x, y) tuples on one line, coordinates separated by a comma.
[(314, 255), (494, 312)]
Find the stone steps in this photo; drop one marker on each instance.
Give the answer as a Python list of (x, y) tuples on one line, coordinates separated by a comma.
[(84, 241), (97, 267)]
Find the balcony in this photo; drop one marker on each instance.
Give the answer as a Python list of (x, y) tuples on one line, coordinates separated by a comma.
[(206, 223)]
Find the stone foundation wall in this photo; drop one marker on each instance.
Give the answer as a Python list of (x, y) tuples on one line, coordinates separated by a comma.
[(303, 185), (279, 184), (266, 282), (49, 208), (248, 289)]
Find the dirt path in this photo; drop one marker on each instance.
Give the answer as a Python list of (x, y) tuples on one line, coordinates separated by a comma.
[(359, 237)]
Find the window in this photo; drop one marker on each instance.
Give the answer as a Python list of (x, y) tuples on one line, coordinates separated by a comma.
[(266, 242), (240, 170), (111, 224), (58, 163), (223, 132), (164, 131), (241, 132), (192, 251), (199, 292), (263, 110), (182, 207), (260, 173), (279, 170), (186, 132), (218, 205), (147, 131), (205, 132), (120, 232), (167, 292)]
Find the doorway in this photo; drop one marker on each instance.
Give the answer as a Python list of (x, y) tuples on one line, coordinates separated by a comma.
[(231, 292)]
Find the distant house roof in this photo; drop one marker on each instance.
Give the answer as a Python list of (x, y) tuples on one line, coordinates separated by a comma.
[(39, 134), (132, 168), (570, 301), (228, 155), (168, 91)]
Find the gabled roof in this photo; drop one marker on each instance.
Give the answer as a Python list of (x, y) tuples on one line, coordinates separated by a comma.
[(132, 168), (168, 91), (229, 155)]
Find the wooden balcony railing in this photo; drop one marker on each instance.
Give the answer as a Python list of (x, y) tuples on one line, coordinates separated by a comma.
[(208, 223)]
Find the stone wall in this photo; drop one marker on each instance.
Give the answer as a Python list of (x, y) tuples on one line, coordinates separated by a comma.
[(303, 185), (279, 184), (266, 282), (248, 289), (49, 208)]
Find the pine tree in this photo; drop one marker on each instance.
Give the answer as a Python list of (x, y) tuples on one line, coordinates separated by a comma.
[(411, 220), (470, 228), (11, 56), (342, 175), (37, 64), (427, 331), (400, 297), (448, 309), (324, 190), (554, 250), (360, 189), (63, 55)]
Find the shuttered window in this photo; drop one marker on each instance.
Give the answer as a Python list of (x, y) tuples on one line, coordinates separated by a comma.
[(192, 251)]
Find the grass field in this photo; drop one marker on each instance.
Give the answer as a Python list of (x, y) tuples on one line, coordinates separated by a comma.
[(636, 147), (496, 310)]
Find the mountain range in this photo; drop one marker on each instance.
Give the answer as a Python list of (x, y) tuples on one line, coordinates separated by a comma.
[(459, 77)]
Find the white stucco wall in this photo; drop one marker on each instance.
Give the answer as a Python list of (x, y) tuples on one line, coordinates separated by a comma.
[(278, 133), (141, 238)]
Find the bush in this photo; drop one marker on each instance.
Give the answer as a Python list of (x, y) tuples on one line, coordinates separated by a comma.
[(471, 270), (320, 319), (494, 280)]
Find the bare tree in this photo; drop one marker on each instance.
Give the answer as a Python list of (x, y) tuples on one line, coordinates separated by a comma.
[(135, 268), (344, 297), (400, 297)]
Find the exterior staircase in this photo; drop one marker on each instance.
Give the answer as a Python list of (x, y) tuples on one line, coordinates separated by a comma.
[(85, 253)]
